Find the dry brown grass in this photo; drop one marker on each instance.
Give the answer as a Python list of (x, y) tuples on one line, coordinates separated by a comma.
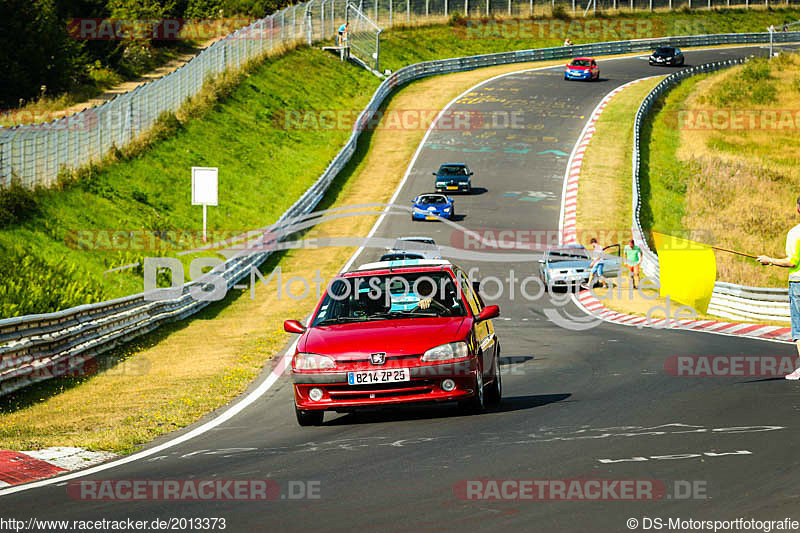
[(746, 185), (202, 364), (604, 189)]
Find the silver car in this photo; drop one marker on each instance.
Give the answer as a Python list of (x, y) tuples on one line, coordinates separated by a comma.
[(424, 246), (568, 266)]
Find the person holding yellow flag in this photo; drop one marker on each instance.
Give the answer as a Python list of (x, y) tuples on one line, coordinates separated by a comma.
[(792, 262)]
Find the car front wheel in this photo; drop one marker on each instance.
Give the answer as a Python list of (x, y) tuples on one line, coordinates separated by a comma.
[(495, 393), (477, 403), (309, 418)]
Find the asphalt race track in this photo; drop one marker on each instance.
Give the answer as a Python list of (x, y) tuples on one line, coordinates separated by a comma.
[(575, 402)]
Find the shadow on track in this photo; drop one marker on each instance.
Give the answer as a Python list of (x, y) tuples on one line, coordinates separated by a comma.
[(429, 412)]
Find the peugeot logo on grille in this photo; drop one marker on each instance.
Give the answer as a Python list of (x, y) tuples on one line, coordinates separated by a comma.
[(377, 358)]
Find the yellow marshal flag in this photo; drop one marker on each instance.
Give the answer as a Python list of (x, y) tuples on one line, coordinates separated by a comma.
[(687, 270)]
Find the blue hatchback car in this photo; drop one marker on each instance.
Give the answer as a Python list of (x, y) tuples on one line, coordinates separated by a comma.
[(582, 68), (433, 206)]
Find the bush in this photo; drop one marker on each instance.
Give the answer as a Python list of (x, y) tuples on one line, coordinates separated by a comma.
[(560, 12), (17, 203), (457, 19), (38, 286), (763, 93), (756, 70)]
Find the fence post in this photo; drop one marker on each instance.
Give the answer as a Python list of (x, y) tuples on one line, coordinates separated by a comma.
[(487, 8), (531, 6), (509, 8), (390, 12), (427, 7), (408, 11), (445, 8), (466, 8), (378, 50)]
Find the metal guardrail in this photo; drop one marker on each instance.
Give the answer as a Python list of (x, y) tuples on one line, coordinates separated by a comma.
[(37, 347), (737, 302)]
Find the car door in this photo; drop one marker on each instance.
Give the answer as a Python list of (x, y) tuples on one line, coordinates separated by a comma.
[(612, 265), (483, 332)]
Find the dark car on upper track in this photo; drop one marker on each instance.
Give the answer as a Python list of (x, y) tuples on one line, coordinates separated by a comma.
[(582, 68), (667, 55), (396, 333), (453, 177)]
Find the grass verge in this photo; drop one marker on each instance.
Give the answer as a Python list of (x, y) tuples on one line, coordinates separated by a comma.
[(172, 378), (722, 160)]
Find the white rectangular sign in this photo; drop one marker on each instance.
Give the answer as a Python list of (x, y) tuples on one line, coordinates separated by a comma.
[(204, 186)]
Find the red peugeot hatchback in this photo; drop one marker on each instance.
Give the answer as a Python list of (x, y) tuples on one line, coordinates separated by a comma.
[(396, 332)]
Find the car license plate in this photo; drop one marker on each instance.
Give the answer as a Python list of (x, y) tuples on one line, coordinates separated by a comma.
[(450, 188), (378, 376), (431, 218)]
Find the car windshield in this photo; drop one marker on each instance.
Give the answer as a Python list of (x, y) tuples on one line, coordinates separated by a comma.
[(389, 297), (452, 170), (567, 255), (420, 243), (429, 200), (581, 63), (400, 257), (665, 51)]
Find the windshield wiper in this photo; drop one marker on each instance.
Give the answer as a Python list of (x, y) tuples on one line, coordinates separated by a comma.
[(341, 319)]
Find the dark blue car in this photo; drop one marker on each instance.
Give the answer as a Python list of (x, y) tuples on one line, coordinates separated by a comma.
[(453, 177), (433, 207)]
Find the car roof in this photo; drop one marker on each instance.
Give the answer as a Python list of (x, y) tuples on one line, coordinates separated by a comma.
[(452, 165), (416, 238), (586, 58), (432, 194), (403, 265)]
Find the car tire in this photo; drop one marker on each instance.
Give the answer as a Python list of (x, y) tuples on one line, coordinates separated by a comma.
[(476, 404), (495, 393), (309, 418)]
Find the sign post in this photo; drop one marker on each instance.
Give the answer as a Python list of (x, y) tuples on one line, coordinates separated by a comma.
[(204, 190)]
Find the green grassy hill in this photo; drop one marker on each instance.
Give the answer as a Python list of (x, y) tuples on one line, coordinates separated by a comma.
[(263, 167)]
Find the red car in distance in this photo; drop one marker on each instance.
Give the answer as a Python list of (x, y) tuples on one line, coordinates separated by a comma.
[(396, 332)]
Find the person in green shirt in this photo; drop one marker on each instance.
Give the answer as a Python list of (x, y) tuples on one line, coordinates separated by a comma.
[(632, 257), (792, 262)]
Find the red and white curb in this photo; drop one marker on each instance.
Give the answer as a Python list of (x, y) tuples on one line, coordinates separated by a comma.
[(589, 303), (569, 207), (592, 305), (22, 467)]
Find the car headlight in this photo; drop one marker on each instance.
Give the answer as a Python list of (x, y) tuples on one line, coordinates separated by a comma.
[(445, 352), (446, 209), (312, 361)]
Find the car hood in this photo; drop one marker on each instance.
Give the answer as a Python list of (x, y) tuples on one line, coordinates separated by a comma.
[(395, 337)]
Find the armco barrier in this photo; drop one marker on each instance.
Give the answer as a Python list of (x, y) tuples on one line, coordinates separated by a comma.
[(731, 301), (32, 345)]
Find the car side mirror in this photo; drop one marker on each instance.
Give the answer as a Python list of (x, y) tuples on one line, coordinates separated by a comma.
[(490, 311), (541, 261), (434, 173), (471, 173), (293, 326)]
